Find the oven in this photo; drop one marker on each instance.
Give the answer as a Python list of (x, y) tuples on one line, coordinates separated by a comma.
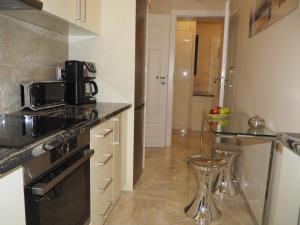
[(57, 189)]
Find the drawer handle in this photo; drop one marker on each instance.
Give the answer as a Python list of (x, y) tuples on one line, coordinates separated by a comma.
[(108, 205), (106, 185), (105, 133), (107, 158)]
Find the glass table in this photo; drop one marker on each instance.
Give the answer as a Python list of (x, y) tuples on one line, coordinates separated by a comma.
[(234, 124), (234, 128)]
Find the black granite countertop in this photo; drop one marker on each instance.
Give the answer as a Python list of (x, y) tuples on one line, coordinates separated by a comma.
[(87, 115)]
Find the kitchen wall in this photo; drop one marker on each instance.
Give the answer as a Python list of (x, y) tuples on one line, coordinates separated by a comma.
[(267, 77), (27, 52), (165, 6), (114, 54)]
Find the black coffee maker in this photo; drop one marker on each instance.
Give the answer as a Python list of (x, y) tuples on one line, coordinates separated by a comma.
[(80, 87)]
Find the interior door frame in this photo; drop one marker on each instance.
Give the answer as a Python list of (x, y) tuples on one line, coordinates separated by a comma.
[(176, 14)]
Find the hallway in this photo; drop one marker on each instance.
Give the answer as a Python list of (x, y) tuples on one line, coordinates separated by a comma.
[(165, 188)]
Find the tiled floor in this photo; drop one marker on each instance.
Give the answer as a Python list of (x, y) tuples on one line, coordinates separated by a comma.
[(166, 187)]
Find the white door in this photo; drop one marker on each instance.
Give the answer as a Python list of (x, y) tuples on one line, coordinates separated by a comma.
[(225, 53), (157, 73)]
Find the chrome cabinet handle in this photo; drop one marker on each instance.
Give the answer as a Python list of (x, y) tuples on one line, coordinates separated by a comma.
[(78, 10), (116, 122), (105, 133), (108, 205), (106, 185), (107, 158), (160, 78)]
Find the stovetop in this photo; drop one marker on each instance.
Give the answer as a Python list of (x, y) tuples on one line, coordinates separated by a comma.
[(17, 131)]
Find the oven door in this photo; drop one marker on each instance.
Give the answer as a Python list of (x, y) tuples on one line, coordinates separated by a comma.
[(61, 197)]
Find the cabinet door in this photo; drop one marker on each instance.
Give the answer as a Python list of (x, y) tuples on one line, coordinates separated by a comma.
[(90, 15), (74, 11), (12, 206), (58, 8), (117, 187)]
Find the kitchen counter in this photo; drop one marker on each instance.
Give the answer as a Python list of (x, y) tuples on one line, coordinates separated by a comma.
[(84, 117)]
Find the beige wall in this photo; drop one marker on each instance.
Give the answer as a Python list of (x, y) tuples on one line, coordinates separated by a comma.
[(27, 52), (165, 6), (267, 79), (207, 31), (114, 54)]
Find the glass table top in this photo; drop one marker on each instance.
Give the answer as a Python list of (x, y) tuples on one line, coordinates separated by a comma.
[(236, 124)]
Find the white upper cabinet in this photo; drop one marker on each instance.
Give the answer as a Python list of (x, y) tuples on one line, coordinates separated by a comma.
[(83, 13), (58, 8), (90, 15)]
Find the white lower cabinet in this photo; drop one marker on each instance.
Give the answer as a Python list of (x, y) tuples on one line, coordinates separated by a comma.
[(12, 205), (105, 169), (286, 199)]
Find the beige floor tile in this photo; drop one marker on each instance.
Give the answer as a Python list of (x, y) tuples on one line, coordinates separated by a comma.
[(167, 186)]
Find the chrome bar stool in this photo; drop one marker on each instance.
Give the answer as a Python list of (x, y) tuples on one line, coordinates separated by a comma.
[(202, 208), (225, 184)]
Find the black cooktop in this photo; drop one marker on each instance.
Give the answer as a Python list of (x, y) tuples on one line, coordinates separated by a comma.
[(17, 131)]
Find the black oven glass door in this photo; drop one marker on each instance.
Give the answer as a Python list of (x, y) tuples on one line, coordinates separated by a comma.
[(67, 203), (47, 93)]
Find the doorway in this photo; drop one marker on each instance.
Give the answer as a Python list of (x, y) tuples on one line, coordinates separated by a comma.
[(198, 56), (161, 70)]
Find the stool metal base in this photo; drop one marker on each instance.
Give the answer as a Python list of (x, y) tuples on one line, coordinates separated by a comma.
[(202, 210), (223, 185)]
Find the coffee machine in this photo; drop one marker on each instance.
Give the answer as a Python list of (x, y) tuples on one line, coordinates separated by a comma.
[(80, 85)]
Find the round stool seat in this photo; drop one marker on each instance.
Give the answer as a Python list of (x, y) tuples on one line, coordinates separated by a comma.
[(227, 147), (202, 163)]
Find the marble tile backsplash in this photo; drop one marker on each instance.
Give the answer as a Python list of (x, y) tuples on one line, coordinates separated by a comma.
[(27, 52)]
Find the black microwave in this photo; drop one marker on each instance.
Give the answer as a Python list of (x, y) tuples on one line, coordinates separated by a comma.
[(39, 95)]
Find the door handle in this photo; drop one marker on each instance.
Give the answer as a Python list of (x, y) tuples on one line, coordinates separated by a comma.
[(160, 78)]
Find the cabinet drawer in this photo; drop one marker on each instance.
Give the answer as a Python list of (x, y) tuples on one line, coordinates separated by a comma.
[(99, 128), (100, 198), (102, 146), (100, 217), (99, 173), (101, 206)]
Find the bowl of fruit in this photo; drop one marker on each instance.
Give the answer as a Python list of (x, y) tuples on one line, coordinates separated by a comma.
[(218, 112)]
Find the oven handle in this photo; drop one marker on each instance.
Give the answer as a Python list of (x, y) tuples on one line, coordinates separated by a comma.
[(41, 189)]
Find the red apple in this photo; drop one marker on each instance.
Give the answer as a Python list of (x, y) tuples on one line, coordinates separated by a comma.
[(215, 110)]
